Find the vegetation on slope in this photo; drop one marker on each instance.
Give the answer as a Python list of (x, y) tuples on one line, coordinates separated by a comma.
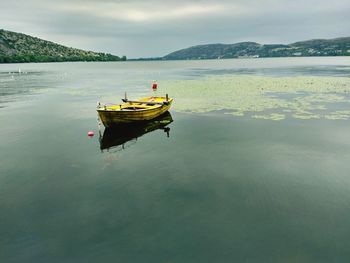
[(317, 47), (20, 48)]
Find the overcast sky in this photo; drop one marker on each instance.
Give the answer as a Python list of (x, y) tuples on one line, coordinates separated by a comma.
[(152, 28)]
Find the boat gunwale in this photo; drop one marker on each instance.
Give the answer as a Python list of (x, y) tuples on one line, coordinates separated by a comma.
[(153, 107)]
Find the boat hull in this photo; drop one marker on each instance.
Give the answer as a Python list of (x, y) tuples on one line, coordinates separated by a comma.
[(110, 117)]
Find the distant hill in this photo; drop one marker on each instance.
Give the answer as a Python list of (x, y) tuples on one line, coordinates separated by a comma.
[(19, 48), (316, 47)]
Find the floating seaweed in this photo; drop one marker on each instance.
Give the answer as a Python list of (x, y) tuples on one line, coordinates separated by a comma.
[(288, 97)]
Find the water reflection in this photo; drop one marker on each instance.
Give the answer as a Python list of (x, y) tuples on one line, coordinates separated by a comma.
[(122, 136)]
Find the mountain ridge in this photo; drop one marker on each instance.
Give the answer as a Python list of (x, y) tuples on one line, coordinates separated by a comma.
[(314, 47), (21, 48)]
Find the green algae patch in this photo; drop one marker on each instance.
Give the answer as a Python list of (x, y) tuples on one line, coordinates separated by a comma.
[(338, 115), (306, 116), (288, 97), (272, 116)]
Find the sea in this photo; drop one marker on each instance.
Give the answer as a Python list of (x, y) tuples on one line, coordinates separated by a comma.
[(251, 164)]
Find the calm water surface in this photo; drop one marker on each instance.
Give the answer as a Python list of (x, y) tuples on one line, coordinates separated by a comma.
[(193, 188)]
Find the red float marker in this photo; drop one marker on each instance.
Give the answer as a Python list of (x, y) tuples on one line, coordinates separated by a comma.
[(91, 134), (154, 85)]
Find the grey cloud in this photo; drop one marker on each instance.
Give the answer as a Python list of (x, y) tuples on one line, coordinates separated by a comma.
[(133, 28)]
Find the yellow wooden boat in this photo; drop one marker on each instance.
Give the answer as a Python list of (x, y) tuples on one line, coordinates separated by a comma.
[(133, 111)]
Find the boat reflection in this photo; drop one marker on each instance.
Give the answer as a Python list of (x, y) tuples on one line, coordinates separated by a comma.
[(121, 136)]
